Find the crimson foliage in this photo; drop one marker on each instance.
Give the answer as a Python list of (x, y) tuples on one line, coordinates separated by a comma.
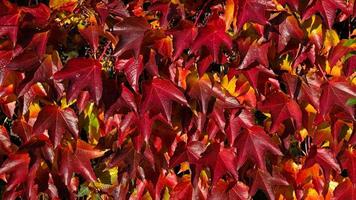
[(217, 99)]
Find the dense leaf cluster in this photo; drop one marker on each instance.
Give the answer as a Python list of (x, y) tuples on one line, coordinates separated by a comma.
[(178, 99)]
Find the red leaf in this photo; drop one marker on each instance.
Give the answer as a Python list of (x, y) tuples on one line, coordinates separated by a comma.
[(263, 180), (336, 93), (6, 146), (78, 161), (256, 52), (253, 11), (327, 9), (84, 73), (289, 29), (255, 143), (9, 26), (213, 36), (91, 34), (131, 31), (281, 108), (57, 121), (324, 158), (221, 160), (132, 69), (183, 36), (345, 191), (16, 166), (158, 96)]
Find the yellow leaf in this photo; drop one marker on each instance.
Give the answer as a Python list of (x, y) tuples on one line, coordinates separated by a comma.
[(229, 85), (286, 64), (331, 39), (229, 13), (67, 4), (309, 108), (166, 195), (303, 133), (312, 194)]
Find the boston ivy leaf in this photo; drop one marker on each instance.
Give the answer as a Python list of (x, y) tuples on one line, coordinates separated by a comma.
[(253, 11), (50, 65), (221, 160), (183, 36), (288, 29), (256, 52), (281, 108), (345, 191), (213, 36), (327, 9), (191, 153), (6, 147), (264, 181), (9, 26), (336, 93), (159, 95), (16, 166), (57, 121), (226, 190), (131, 31), (349, 164), (84, 73), (132, 69), (255, 143), (78, 161), (324, 158)]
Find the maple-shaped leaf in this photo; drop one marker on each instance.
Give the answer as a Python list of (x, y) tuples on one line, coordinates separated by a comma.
[(288, 29), (256, 52), (29, 57), (324, 158), (191, 153), (16, 166), (244, 119), (221, 160), (253, 11), (84, 73), (57, 121), (327, 9), (258, 76), (264, 181), (115, 8), (255, 143), (336, 93), (9, 26), (50, 65), (125, 101), (131, 31), (78, 161), (212, 36), (281, 108), (132, 69), (230, 191), (22, 129), (350, 164), (158, 96), (345, 191), (202, 88), (91, 34), (183, 36), (39, 14), (6, 147)]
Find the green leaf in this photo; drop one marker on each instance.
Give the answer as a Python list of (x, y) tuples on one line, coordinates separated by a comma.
[(351, 102), (83, 191)]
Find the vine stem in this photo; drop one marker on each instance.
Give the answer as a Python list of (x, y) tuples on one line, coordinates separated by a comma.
[(201, 12), (104, 51)]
